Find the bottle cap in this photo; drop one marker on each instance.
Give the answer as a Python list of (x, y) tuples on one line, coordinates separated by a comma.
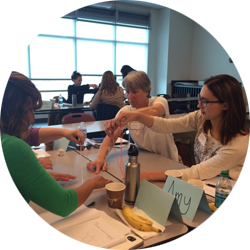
[(224, 174), (133, 151)]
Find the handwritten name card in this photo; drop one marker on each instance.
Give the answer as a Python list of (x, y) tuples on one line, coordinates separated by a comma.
[(188, 197), (157, 203)]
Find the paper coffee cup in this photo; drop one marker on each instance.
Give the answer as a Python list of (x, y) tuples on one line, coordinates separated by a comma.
[(196, 182), (175, 173), (115, 192)]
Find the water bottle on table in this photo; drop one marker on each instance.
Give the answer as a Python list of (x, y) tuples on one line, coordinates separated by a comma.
[(60, 100), (82, 127), (132, 175), (222, 189)]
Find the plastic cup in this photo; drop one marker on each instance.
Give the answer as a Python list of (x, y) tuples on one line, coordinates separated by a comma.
[(115, 192), (196, 182), (176, 173)]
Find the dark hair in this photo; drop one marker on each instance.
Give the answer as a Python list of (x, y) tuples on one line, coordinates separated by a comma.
[(125, 70), (20, 97), (75, 75), (227, 89)]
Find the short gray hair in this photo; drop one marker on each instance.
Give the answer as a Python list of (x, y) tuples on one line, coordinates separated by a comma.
[(137, 80)]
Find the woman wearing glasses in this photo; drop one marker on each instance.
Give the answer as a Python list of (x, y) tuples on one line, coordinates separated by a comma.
[(222, 135)]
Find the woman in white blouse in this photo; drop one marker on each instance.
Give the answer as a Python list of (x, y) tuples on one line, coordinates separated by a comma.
[(222, 135)]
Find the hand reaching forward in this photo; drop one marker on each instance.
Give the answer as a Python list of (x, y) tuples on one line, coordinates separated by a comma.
[(124, 117), (110, 127), (97, 165), (75, 136)]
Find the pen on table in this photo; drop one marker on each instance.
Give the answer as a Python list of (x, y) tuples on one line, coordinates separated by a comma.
[(210, 185), (91, 204)]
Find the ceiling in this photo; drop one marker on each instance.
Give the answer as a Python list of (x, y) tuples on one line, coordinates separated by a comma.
[(108, 4)]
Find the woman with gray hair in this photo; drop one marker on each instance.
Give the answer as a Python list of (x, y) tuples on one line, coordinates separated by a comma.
[(138, 87)]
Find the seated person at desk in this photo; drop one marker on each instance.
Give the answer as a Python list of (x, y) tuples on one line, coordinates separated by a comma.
[(43, 135), (222, 135), (109, 92), (138, 86), (21, 98), (79, 89)]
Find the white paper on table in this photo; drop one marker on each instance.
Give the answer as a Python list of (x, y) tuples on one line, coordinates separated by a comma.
[(40, 153)]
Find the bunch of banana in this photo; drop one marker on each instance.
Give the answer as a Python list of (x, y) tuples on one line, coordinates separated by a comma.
[(137, 221)]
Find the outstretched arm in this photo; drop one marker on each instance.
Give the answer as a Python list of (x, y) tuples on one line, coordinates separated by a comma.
[(127, 116), (107, 144), (156, 110), (48, 134)]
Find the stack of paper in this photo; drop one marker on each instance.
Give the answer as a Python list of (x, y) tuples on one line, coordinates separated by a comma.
[(89, 226)]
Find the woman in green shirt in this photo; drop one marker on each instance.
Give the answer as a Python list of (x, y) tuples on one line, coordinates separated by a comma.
[(20, 99)]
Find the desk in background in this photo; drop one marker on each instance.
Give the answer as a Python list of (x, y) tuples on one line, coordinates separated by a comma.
[(92, 127), (55, 114), (66, 108)]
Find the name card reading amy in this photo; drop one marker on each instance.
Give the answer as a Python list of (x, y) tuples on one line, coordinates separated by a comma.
[(157, 203), (188, 197)]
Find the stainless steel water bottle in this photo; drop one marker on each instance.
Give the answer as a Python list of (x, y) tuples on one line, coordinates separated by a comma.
[(74, 100), (132, 175)]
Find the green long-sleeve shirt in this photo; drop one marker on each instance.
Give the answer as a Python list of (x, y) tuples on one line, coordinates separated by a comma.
[(33, 181)]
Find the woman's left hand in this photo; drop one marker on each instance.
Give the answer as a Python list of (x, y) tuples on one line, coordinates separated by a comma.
[(45, 162)]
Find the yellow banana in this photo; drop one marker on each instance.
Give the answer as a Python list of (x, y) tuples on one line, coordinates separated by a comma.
[(211, 206), (127, 212), (138, 222)]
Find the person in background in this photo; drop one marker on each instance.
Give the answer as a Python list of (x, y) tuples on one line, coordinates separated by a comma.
[(138, 86), (109, 92), (222, 135), (20, 99), (125, 70), (79, 89), (46, 134)]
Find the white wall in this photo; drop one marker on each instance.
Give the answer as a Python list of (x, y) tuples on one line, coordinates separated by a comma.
[(180, 49), (162, 45), (209, 56)]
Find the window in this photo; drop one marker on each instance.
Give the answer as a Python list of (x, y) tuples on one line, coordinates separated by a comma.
[(95, 31), (51, 57), (95, 57), (89, 46), (21, 63)]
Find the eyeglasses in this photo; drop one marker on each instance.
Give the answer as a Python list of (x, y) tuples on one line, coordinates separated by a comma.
[(204, 102)]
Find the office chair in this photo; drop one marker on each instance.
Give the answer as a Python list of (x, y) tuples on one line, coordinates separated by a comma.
[(106, 111), (77, 117)]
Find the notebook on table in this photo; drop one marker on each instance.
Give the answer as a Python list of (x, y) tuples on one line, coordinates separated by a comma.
[(89, 226)]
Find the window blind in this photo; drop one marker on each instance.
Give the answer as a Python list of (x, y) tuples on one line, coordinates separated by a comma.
[(111, 15)]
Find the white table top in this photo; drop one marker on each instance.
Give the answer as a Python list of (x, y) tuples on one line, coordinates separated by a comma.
[(149, 162), (75, 164)]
